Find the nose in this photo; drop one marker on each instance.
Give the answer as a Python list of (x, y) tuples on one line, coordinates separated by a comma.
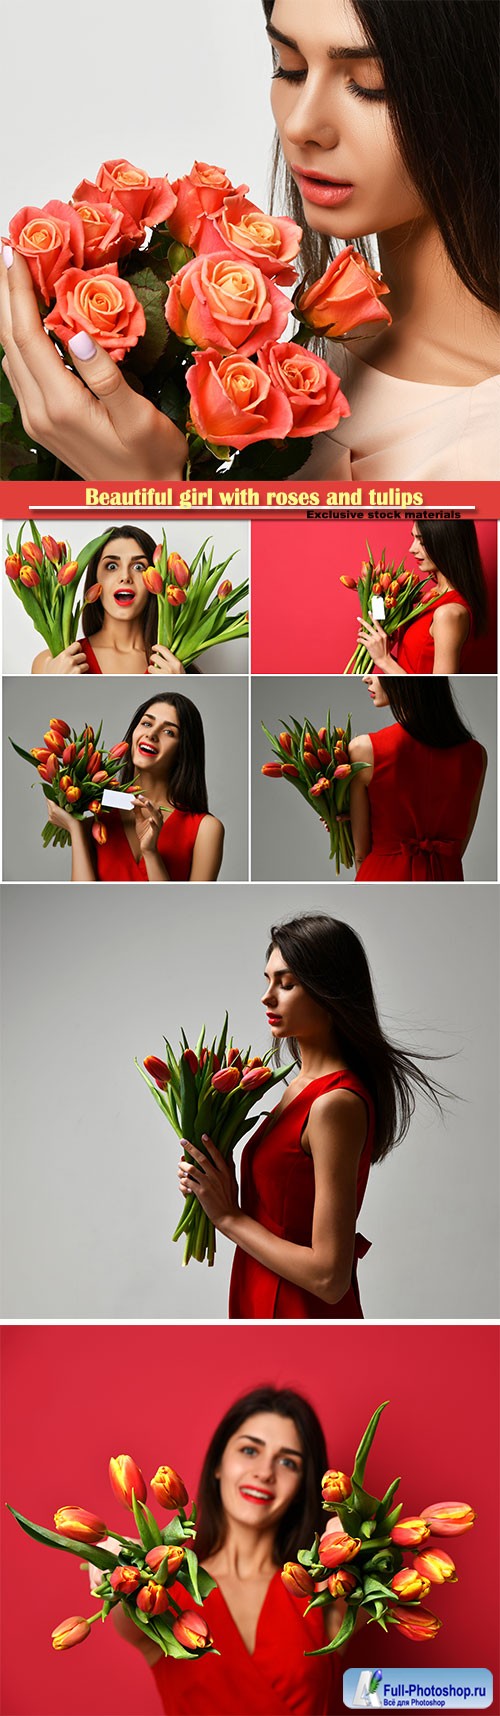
[(267, 998), (311, 119)]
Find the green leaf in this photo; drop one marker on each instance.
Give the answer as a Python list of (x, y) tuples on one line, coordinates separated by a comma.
[(25, 754), (152, 292), (148, 1540), (364, 1448), (192, 1566), (173, 1533), (6, 411), (86, 1552), (342, 1636)]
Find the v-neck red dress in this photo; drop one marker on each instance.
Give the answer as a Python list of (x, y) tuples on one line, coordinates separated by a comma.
[(277, 1190), (415, 647), (116, 862), (276, 1680), (91, 658), (420, 807)]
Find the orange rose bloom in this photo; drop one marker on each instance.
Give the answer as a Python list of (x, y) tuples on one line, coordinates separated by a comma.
[(102, 304), (346, 296)]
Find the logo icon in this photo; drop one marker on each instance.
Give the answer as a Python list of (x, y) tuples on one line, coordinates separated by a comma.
[(367, 1695)]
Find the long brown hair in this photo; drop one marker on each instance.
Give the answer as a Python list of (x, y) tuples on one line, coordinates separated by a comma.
[(187, 787), (93, 614), (426, 708), (453, 547), (304, 1517), (328, 958)]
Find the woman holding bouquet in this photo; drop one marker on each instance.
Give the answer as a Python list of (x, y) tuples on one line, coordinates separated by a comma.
[(122, 621), (447, 555), (414, 807), (168, 835), (305, 1170), (258, 1503), (351, 84)]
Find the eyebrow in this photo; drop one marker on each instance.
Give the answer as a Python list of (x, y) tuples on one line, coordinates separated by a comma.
[(261, 1444), (284, 971), (362, 53)]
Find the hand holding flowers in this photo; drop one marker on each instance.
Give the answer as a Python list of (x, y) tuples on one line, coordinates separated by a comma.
[(194, 602), (45, 578), (400, 592), (75, 769), (316, 761)]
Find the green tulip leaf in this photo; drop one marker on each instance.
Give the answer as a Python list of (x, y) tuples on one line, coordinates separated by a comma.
[(103, 1558), (364, 1448), (348, 1625)]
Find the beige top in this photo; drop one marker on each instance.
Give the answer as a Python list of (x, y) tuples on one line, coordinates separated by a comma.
[(408, 430)]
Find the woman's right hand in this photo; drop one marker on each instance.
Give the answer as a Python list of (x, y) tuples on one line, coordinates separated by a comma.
[(62, 818), (162, 660), (104, 430), (70, 660)]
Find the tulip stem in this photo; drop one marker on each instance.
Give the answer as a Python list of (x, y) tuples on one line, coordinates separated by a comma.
[(97, 1617), (127, 1544)]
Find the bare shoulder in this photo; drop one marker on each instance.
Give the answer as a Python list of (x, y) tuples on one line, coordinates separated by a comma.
[(451, 619), (342, 1112), (210, 828), (40, 663), (361, 750)]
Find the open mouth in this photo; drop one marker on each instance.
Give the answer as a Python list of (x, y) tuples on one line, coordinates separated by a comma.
[(124, 598), (147, 750), (273, 1018), (251, 1493)]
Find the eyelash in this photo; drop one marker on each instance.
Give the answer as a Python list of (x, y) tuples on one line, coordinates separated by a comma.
[(290, 1463), (355, 88)]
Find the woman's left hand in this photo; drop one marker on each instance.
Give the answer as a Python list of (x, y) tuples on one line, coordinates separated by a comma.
[(148, 823), (212, 1179), (162, 660), (372, 635)]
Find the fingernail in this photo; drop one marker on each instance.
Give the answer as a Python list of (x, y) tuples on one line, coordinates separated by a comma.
[(205, 1137), (7, 255), (82, 347)]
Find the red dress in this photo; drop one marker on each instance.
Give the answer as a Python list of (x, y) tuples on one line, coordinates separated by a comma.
[(277, 1680), (420, 807), (90, 656), (116, 862), (277, 1189), (415, 647)]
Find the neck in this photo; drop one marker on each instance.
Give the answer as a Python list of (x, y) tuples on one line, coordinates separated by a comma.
[(319, 1059), (123, 636), (153, 787), (247, 1553), (439, 330)]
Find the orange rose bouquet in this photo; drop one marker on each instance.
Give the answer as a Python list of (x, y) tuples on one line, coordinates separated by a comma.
[(186, 285), (194, 602), (140, 1575), (316, 761), (75, 769), (400, 594), (206, 1093), (45, 578), (377, 1561)]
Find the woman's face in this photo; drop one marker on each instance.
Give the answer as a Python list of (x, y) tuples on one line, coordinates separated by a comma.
[(333, 121), (261, 1470), (426, 566), (120, 569), (155, 740), (375, 687), (290, 1010)]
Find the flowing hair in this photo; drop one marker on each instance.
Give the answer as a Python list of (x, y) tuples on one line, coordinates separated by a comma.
[(427, 710), (440, 77), (187, 785), (453, 547), (328, 959), (303, 1517)]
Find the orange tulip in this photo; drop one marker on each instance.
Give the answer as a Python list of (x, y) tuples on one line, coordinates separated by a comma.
[(66, 781), (168, 1488), (68, 756), (98, 775), (50, 769), (290, 771), (286, 742), (385, 580), (448, 1519), (93, 595), (51, 549), (297, 1580), (71, 1632), (335, 1486), (224, 589), (350, 583), (73, 793), (436, 1566), (175, 596), (60, 726), (271, 769), (42, 756), (118, 751), (408, 1532), (342, 772), (191, 1630), (178, 569), (410, 1586), (157, 1070), (415, 1624), (126, 1477), (152, 1599), (32, 553), (99, 832), (95, 806), (13, 565), (54, 741), (234, 1060), (226, 1080), (321, 786), (172, 1552), (67, 573), (322, 735), (153, 580), (125, 1580), (335, 1547), (157, 553), (77, 1523), (341, 1583), (29, 577)]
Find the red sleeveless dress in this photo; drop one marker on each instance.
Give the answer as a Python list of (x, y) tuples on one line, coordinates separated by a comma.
[(415, 647), (91, 658), (420, 806), (277, 1680), (277, 1189), (116, 862)]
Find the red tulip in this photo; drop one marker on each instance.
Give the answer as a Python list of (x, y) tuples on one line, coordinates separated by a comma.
[(118, 751), (342, 772), (60, 726), (93, 594), (42, 756), (13, 565), (410, 1586), (152, 1599), (191, 1630), (376, 590), (272, 769), (50, 769), (290, 771), (175, 596), (178, 569), (153, 580), (335, 1547), (191, 1061), (32, 553), (71, 1632), (341, 1583), (54, 741), (68, 755), (324, 757), (168, 1488), (51, 549), (322, 735), (102, 775), (297, 1580), (253, 1077), (77, 1523), (409, 1532), (448, 1519), (311, 760), (95, 807), (157, 553), (67, 573), (29, 577), (125, 1580), (73, 793), (224, 590), (385, 580), (226, 1080), (350, 583), (415, 1624), (157, 1070), (335, 1486), (320, 786), (125, 1476), (172, 1552), (286, 742), (66, 781), (234, 1060), (99, 832), (436, 1566)]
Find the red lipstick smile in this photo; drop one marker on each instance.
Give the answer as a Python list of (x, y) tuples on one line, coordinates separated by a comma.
[(259, 1496)]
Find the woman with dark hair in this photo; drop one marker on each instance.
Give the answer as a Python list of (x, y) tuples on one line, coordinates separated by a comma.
[(387, 118), (258, 1504), (168, 835), (415, 804), (123, 621), (447, 555), (305, 1170)]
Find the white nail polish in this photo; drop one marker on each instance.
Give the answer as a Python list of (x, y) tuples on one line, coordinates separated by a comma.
[(82, 347), (7, 255)]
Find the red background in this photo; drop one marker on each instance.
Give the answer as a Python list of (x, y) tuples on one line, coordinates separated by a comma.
[(304, 620), (73, 1396)]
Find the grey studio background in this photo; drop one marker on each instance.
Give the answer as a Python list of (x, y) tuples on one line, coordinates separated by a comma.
[(90, 1165), (21, 643), (288, 838), (27, 708)]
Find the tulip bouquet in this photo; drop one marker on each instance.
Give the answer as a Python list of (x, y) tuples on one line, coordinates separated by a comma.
[(44, 576), (183, 284), (316, 761), (140, 1575), (401, 592), (207, 1093), (75, 769), (193, 606), (364, 1563)]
